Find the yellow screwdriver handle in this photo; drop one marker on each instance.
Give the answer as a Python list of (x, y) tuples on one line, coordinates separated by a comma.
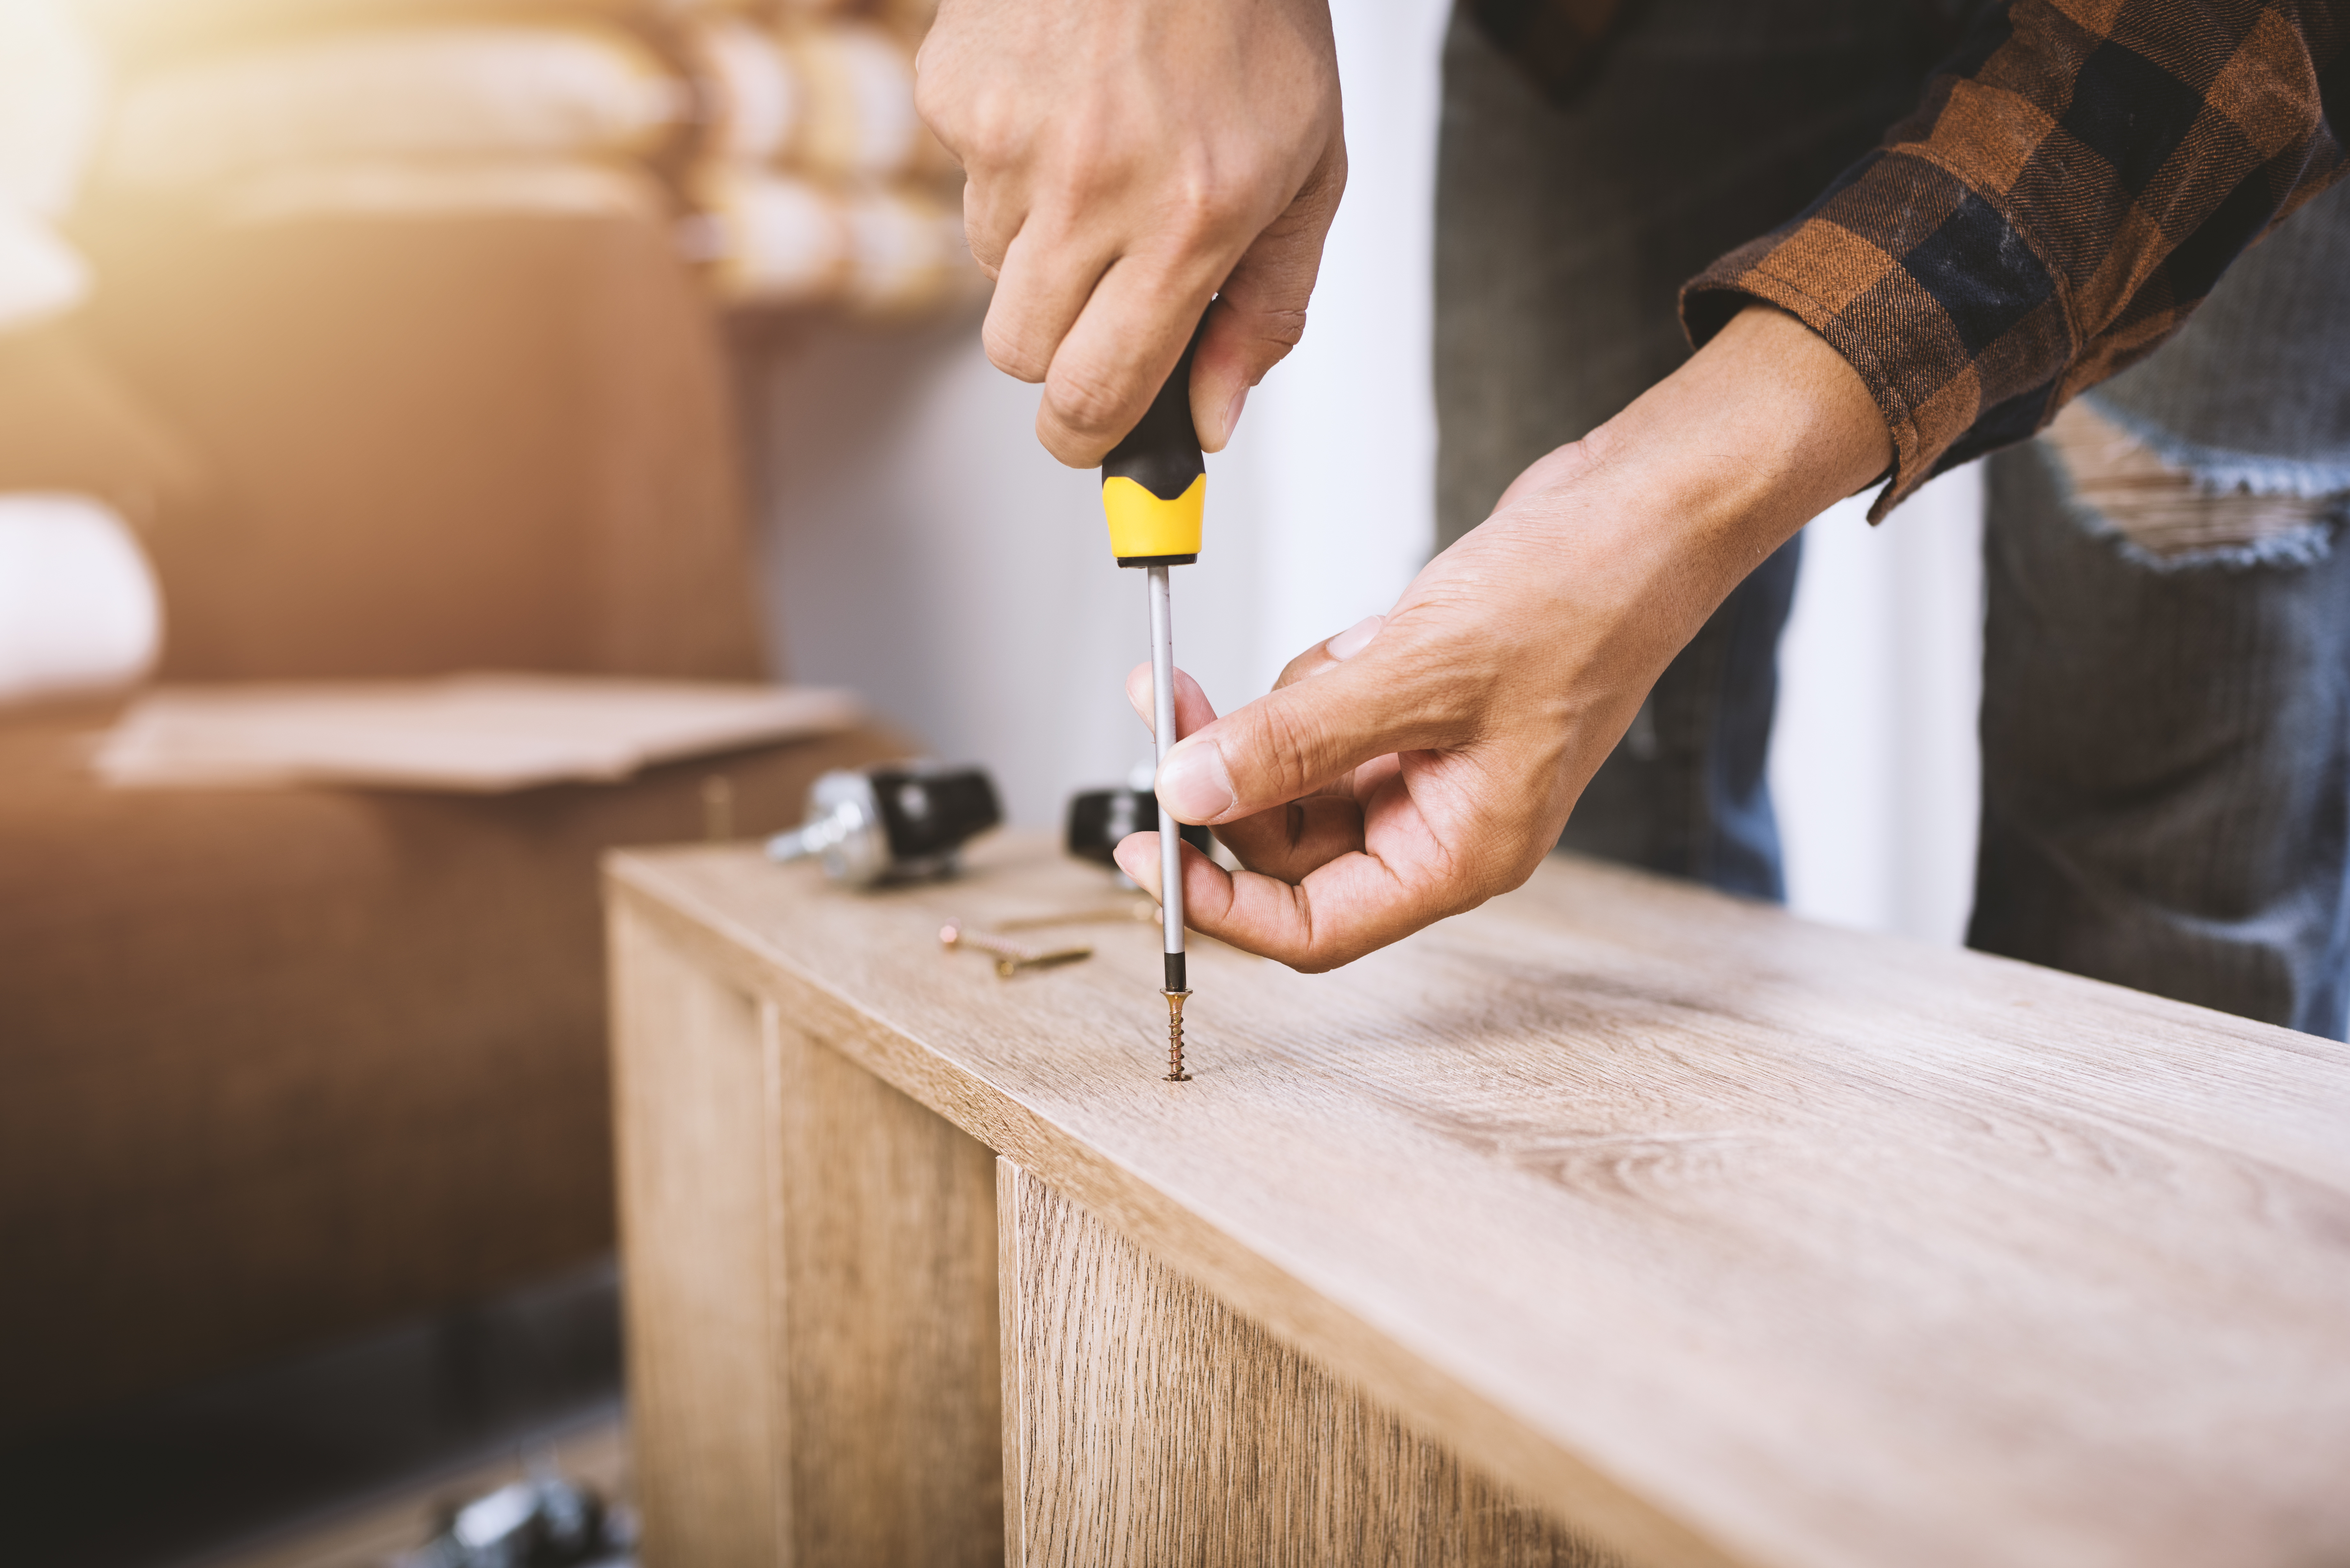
[(1154, 482)]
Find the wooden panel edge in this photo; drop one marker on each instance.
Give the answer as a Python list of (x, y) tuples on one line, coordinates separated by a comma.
[(773, 1181), (1552, 1477), (1009, 1324)]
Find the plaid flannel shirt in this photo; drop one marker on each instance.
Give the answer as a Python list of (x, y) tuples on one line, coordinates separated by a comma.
[(2077, 177)]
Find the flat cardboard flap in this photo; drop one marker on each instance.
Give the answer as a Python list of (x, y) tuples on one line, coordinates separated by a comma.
[(472, 733)]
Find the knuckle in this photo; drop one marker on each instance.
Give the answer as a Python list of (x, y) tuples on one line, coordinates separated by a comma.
[(986, 145), (961, 119), (936, 102), (1280, 330), (1496, 858), (1207, 204), (1311, 662), (1327, 185), (1087, 402), (979, 235), (1009, 351), (1321, 955), (1290, 744), (984, 131), (1071, 448)]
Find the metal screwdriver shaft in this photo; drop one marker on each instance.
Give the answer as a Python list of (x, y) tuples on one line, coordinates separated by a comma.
[(1170, 842), (1154, 492)]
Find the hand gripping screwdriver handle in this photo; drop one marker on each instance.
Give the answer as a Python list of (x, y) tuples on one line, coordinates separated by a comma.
[(1155, 483)]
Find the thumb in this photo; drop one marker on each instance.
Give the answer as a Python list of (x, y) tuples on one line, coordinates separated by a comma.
[(1260, 312), (1298, 740)]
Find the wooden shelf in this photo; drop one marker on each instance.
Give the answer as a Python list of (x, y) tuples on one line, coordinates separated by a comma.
[(1706, 1234)]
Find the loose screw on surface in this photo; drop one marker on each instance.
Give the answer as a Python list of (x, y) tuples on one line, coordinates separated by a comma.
[(1175, 1074), (1010, 957)]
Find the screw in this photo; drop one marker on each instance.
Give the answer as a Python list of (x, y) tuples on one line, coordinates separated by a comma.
[(1175, 1074), (1010, 957)]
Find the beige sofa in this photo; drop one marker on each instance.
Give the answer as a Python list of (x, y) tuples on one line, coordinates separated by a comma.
[(280, 1064)]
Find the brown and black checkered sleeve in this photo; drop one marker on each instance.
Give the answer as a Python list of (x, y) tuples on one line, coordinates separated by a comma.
[(2079, 174)]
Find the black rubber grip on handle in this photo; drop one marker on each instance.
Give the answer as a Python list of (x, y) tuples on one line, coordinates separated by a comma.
[(1161, 453)]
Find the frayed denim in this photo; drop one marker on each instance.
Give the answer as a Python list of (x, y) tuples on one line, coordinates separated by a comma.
[(2166, 737), (1563, 237), (2166, 762)]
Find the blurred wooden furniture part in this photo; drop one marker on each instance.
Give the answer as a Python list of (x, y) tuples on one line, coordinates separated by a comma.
[(1616, 1221), (283, 1063)]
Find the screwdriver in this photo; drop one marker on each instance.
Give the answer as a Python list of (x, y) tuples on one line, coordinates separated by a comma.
[(1154, 492)]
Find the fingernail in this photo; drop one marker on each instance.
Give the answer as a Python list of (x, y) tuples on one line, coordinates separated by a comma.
[(1193, 784), (1131, 859), (1233, 412), (1355, 639)]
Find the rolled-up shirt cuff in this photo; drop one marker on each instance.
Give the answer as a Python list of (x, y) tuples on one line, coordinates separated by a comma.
[(1931, 292)]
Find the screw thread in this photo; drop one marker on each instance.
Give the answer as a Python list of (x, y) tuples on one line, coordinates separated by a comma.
[(1175, 1074)]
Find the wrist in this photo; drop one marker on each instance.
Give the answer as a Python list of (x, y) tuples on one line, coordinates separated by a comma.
[(1645, 526), (1762, 431)]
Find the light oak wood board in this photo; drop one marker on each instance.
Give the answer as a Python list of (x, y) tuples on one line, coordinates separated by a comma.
[(695, 1232), (1149, 1425), (1723, 1237), (812, 1336)]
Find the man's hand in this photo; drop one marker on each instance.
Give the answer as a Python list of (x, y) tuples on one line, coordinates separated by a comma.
[(1126, 163), (1416, 765)]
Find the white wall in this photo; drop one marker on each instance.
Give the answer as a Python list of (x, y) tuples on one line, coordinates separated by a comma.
[(922, 548), (1874, 760)]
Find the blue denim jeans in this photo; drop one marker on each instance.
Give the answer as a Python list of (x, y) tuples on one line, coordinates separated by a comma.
[(1563, 236), (2166, 730), (2167, 735)]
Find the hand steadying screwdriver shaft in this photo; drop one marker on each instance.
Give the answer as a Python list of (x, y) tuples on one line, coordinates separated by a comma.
[(1154, 492)]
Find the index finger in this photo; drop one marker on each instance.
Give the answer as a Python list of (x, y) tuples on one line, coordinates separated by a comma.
[(1114, 359), (1347, 907)]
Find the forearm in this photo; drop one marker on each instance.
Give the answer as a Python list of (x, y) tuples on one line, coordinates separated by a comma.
[(1707, 474)]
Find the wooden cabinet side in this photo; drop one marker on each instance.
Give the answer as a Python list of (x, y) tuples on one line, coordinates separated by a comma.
[(707, 1419), (1147, 1424), (809, 1260)]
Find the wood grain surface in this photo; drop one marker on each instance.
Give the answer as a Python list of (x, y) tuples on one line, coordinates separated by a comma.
[(885, 1218), (811, 1291), (1149, 1426), (704, 1368), (1727, 1238)]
